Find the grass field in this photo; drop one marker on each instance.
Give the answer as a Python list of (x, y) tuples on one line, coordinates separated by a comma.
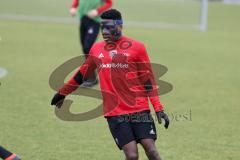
[(203, 68), (175, 11)]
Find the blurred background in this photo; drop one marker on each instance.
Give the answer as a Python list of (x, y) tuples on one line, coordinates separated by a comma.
[(203, 67)]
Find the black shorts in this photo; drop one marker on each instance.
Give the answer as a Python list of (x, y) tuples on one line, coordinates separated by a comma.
[(132, 127)]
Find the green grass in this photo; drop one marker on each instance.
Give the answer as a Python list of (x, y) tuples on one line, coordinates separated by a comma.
[(170, 11), (203, 67)]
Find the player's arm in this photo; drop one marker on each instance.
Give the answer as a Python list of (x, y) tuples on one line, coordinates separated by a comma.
[(7, 155), (106, 5), (73, 9), (150, 84), (75, 81)]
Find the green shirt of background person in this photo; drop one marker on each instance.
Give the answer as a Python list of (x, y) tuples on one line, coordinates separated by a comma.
[(90, 8)]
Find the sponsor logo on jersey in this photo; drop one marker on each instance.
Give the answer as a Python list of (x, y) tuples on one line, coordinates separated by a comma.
[(114, 65)]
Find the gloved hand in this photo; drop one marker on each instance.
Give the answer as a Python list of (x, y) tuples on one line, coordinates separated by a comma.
[(58, 100), (161, 115)]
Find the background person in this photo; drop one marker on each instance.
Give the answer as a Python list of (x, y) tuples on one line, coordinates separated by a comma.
[(89, 12)]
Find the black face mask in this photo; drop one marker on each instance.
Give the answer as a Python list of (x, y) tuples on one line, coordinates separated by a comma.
[(110, 31)]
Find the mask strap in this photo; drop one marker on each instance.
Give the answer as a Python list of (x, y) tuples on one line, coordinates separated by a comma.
[(118, 22)]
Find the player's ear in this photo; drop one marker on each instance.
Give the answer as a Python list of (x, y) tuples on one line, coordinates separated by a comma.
[(120, 28)]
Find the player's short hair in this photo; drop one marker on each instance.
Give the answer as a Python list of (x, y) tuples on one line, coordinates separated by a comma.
[(112, 14)]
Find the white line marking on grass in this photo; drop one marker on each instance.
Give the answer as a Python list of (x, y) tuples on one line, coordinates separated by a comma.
[(3, 72), (38, 18), (68, 20)]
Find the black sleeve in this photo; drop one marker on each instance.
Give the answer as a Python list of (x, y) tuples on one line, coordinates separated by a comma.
[(78, 77)]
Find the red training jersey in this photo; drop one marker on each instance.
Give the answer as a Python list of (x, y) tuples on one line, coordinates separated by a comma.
[(124, 70)]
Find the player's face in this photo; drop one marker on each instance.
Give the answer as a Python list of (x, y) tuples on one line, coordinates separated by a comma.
[(111, 31)]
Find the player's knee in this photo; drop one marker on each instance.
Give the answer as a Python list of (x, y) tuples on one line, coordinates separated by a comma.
[(86, 51), (152, 152), (86, 48), (132, 156)]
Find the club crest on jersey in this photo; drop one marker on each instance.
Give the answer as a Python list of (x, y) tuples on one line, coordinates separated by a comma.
[(112, 53)]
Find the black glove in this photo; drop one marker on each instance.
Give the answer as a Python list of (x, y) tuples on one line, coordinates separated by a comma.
[(58, 100), (164, 116)]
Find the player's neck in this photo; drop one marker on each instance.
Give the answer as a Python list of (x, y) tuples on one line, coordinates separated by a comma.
[(116, 40), (119, 39)]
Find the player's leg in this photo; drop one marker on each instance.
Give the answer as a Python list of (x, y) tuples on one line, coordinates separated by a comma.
[(130, 150), (92, 31), (91, 34), (145, 133), (123, 136), (7, 155), (150, 149), (83, 32)]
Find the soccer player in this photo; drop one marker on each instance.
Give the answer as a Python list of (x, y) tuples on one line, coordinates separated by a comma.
[(89, 12), (7, 155), (126, 82)]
